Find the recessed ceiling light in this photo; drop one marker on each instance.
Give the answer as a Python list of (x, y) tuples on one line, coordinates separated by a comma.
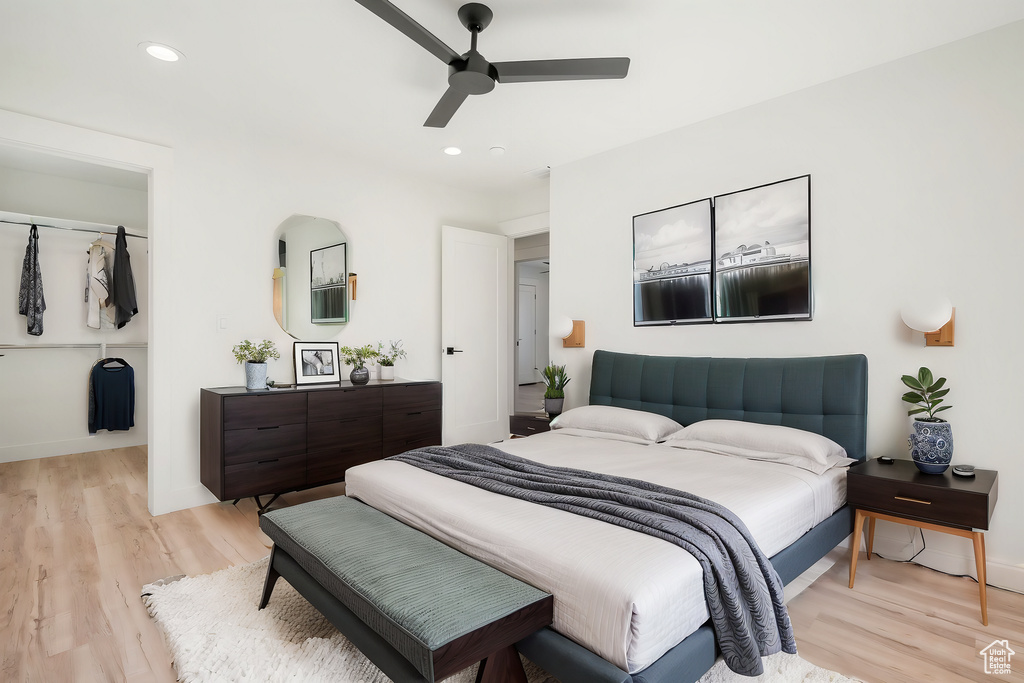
[(452, 151), (497, 151), (162, 52)]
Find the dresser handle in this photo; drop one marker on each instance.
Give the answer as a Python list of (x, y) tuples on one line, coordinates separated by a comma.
[(264, 462), (913, 500), (260, 429)]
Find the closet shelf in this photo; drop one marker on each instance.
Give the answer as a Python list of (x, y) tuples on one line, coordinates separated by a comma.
[(93, 345)]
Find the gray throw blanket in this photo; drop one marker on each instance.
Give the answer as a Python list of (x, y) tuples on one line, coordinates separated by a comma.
[(742, 589)]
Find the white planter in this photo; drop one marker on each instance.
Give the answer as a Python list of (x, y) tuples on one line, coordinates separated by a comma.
[(387, 373), (255, 375)]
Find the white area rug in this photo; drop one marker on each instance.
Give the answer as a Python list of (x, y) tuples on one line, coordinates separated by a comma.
[(215, 634)]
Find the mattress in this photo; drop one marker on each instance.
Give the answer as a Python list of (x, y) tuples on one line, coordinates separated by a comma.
[(626, 596)]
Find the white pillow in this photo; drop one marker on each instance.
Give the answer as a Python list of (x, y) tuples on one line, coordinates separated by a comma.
[(797, 447), (635, 423)]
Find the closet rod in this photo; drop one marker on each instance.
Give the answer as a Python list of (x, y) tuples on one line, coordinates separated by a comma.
[(65, 227), (124, 345)]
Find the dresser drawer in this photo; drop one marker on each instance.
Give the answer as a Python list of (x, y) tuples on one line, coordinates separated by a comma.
[(334, 404), (273, 475), (407, 431), (411, 398), (264, 410), (947, 506), (351, 432), (248, 445)]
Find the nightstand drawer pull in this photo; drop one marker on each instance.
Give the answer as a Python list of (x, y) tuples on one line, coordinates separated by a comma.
[(913, 500)]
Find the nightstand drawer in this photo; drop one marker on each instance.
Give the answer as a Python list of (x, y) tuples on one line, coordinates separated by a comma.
[(923, 502), (525, 425)]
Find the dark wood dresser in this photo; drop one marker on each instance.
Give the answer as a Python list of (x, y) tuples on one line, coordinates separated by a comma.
[(268, 442)]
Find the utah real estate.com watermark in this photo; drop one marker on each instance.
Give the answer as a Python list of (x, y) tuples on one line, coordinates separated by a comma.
[(997, 656)]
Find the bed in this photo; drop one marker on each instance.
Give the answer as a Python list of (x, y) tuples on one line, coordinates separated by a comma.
[(626, 607)]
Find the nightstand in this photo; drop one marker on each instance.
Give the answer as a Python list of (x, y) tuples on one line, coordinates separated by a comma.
[(525, 424), (901, 493)]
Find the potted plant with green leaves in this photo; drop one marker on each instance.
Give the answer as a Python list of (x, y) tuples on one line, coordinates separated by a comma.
[(387, 357), (255, 357), (357, 357), (931, 444), (555, 380)]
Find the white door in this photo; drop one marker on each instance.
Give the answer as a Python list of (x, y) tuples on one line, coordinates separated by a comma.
[(474, 335), (526, 342)]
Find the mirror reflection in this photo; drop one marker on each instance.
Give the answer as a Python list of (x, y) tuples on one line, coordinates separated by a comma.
[(311, 296)]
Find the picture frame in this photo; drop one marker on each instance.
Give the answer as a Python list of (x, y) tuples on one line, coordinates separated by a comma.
[(762, 267), (672, 265), (328, 284), (316, 362)]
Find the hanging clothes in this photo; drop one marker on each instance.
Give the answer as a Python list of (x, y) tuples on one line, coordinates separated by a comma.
[(31, 303), (122, 284), (111, 395), (100, 311)]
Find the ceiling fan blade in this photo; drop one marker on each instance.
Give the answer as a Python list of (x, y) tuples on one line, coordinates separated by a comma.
[(562, 69), (404, 23), (445, 108)]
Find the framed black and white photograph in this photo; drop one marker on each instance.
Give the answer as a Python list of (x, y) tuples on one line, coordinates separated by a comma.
[(672, 265), (316, 362), (328, 285), (763, 252)]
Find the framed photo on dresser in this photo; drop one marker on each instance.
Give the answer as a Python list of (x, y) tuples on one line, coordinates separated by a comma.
[(316, 362)]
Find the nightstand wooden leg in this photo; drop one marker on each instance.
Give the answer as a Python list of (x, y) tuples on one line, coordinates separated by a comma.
[(979, 558), (858, 529), (871, 535)]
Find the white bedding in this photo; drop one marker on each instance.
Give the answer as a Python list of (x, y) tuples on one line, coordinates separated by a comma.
[(624, 595)]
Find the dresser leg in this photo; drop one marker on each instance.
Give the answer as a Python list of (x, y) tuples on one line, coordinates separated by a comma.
[(979, 558), (871, 535), (858, 529)]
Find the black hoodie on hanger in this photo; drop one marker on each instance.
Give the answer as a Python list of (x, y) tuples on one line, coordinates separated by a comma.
[(122, 286)]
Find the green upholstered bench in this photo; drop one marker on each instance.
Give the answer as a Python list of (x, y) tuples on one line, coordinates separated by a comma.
[(415, 607)]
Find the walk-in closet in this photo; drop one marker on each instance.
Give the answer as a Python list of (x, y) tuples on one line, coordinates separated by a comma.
[(45, 378)]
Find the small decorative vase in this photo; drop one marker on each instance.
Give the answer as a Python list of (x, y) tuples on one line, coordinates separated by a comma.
[(387, 373), (931, 446), (255, 375), (359, 376), (553, 406)]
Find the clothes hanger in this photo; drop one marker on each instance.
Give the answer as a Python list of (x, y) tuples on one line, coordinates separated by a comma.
[(121, 361), (100, 242)]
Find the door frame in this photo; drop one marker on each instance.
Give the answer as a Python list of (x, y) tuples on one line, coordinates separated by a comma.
[(519, 227)]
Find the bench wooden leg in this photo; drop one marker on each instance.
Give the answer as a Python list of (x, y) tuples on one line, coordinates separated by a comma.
[(503, 666), (268, 583)]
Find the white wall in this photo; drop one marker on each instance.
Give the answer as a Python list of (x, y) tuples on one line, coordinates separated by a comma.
[(916, 170), (44, 411)]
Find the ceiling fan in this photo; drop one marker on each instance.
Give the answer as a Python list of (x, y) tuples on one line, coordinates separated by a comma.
[(472, 74)]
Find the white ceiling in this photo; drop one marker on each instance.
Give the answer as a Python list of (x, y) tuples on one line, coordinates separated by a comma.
[(329, 73)]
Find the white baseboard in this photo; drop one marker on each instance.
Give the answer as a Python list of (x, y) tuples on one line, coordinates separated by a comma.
[(85, 444), (900, 547)]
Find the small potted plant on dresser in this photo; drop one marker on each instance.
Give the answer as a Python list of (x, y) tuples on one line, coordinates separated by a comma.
[(931, 444), (555, 380), (387, 357), (255, 358), (357, 358)]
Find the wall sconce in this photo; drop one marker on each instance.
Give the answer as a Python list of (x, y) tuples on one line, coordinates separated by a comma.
[(573, 333), (934, 316)]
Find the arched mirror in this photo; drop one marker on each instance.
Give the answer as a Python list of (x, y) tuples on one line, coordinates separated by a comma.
[(311, 296)]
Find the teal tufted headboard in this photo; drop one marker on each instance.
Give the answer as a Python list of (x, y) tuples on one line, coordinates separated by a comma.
[(827, 395)]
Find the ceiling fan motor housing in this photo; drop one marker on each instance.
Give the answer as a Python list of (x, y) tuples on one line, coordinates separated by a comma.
[(472, 74)]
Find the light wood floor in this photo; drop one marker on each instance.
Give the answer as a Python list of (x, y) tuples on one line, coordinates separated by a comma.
[(77, 544)]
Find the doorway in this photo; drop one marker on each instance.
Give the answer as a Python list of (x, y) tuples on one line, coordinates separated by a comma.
[(530, 336)]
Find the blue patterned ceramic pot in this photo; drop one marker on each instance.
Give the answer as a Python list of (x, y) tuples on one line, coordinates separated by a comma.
[(255, 375), (931, 446)]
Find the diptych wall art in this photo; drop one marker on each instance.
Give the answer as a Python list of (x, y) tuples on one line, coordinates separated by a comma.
[(742, 256)]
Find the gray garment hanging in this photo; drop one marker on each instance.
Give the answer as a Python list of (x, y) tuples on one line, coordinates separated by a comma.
[(31, 303)]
